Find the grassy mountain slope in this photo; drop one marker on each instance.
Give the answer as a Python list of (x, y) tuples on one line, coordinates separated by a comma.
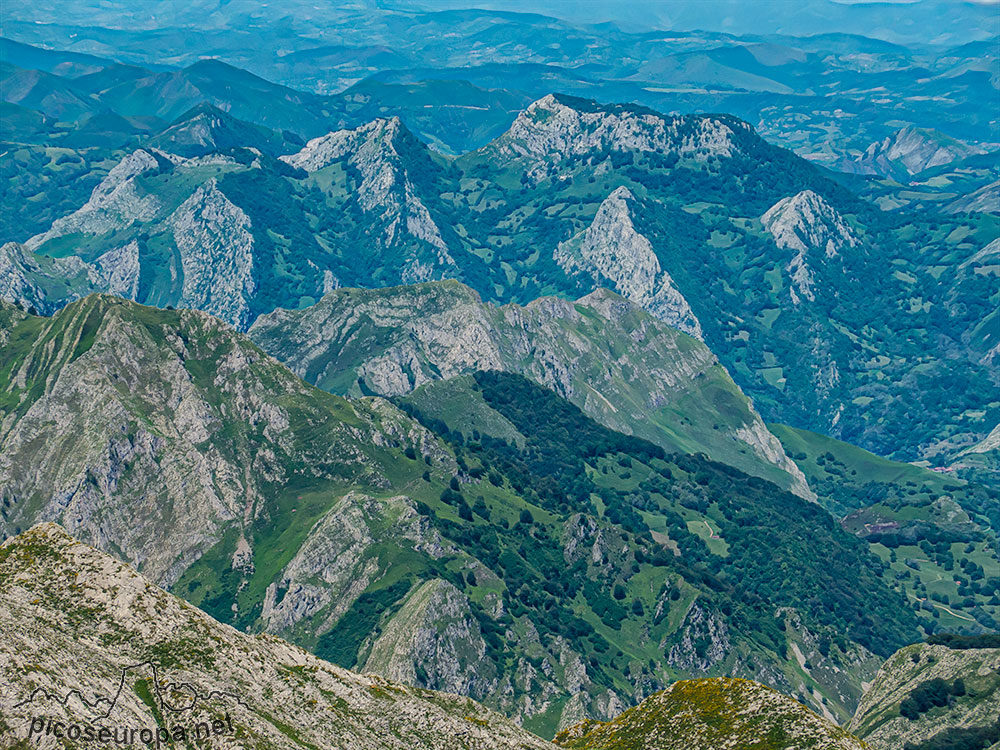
[(935, 697), (554, 582), (113, 635), (935, 532), (663, 385), (689, 513), (714, 713)]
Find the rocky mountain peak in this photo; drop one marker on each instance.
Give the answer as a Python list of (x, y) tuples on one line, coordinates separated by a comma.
[(557, 126), (911, 150), (206, 129), (324, 150), (384, 152), (613, 252), (113, 203), (806, 223)]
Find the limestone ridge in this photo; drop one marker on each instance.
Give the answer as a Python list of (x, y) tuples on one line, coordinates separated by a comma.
[(975, 705), (386, 189), (984, 200), (66, 645), (719, 713), (806, 224), (910, 151), (114, 203), (213, 238), (46, 284), (441, 330), (556, 128), (159, 445), (612, 252)]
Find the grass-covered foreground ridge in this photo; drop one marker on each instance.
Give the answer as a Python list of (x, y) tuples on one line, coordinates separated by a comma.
[(712, 713), (74, 619)]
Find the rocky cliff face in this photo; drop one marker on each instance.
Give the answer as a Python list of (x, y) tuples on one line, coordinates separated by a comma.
[(985, 200), (937, 711), (613, 253), (87, 642), (556, 128), (46, 284), (712, 713), (110, 426), (213, 238), (910, 151), (398, 339), (114, 203), (379, 152), (435, 640), (810, 227)]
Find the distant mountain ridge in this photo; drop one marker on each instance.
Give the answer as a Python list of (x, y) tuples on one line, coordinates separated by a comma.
[(663, 386), (691, 217)]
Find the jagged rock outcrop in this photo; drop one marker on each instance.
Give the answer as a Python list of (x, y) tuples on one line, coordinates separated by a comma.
[(938, 709), (434, 640), (382, 152), (704, 641), (431, 332), (719, 713), (215, 244), (44, 284), (806, 224), (910, 151), (339, 559), (612, 252), (117, 271), (16, 285), (115, 203), (557, 127), (87, 642)]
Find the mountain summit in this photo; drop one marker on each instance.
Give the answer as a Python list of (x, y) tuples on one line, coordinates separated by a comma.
[(559, 128)]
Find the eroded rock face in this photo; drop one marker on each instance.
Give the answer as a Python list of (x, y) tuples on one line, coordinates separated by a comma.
[(878, 721), (435, 641), (612, 252), (552, 129), (213, 238), (118, 270), (15, 283), (704, 641), (385, 189), (810, 227), (910, 151), (337, 561), (74, 619), (114, 204)]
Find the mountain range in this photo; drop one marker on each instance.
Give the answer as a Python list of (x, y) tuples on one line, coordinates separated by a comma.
[(370, 378), (690, 218), (382, 537)]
